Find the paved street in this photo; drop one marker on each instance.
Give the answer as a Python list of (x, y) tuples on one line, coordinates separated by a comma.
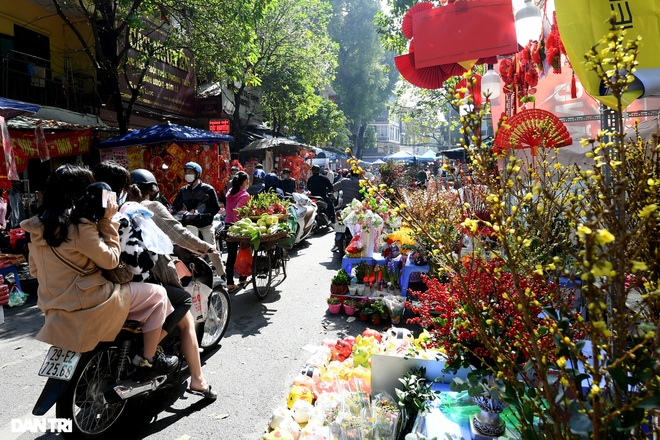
[(264, 348)]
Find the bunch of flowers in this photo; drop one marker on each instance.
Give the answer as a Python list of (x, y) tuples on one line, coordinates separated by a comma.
[(360, 215), (486, 292)]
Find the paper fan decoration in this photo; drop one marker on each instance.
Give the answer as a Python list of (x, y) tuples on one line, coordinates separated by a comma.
[(426, 77), (532, 128), (407, 24)]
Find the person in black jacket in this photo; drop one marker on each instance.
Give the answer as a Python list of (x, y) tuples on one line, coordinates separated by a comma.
[(287, 184), (198, 203), (319, 186)]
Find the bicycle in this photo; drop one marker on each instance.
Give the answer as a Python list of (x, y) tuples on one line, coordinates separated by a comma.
[(268, 267)]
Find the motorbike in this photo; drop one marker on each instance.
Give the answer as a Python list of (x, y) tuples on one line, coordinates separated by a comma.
[(92, 389), (322, 219), (306, 212), (343, 235)]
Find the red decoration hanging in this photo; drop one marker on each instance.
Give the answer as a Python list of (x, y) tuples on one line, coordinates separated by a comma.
[(532, 128)]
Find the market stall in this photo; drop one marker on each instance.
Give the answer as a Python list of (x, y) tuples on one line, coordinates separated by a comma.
[(277, 154), (164, 149)]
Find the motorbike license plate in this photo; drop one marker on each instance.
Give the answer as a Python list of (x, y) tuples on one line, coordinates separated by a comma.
[(59, 363)]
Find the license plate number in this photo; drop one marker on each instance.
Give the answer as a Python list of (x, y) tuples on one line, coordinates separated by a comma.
[(59, 363)]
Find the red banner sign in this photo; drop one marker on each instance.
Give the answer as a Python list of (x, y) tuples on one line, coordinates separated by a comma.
[(70, 143), (220, 126)]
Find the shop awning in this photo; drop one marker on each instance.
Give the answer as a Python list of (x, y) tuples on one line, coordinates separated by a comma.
[(10, 108), (165, 133), (284, 145)]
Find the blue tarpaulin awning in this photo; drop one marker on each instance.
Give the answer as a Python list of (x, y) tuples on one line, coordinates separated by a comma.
[(10, 108), (165, 133)]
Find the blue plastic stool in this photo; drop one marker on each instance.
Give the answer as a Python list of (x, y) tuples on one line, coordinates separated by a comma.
[(408, 270)]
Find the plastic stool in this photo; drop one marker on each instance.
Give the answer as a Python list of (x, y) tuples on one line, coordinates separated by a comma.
[(408, 270)]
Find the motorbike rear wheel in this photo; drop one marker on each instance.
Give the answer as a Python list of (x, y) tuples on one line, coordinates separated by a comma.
[(84, 401), (262, 275), (217, 318)]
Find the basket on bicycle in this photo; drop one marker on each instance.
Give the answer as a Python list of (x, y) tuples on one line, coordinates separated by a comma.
[(280, 217), (265, 238)]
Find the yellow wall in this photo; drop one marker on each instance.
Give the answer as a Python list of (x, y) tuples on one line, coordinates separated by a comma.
[(62, 40)]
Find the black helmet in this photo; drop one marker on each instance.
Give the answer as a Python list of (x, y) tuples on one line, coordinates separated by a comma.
[(142, 177)]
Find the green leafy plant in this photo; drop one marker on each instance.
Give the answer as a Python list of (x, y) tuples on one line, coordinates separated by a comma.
[(333, 301), (379, 308), (351, 303), (416, 391), (341, 279)]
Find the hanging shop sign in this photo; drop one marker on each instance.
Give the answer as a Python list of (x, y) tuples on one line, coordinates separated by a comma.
[(70, 143), (221, 126), (169, 83)]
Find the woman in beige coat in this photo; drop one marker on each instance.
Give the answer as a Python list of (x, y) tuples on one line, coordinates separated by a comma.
[(67, 246)]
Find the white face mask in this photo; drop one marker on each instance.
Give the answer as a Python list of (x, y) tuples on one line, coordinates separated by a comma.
[(190, 178)]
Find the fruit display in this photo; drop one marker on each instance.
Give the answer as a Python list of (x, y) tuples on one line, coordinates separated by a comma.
[(267, 227), (264, 203)]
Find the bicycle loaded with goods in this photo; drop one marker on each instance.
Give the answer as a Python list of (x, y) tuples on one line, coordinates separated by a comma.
[(265, 227)]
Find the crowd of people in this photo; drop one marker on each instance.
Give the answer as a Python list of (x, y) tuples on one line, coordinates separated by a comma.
[(86, 223)]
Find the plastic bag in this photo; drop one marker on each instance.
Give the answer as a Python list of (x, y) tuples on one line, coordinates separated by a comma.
[(386, 416), (243, 265), (395, 306), (16, 297)]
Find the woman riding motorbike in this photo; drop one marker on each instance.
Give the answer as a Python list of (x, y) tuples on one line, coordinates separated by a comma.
[(163, 270), (71, 237)]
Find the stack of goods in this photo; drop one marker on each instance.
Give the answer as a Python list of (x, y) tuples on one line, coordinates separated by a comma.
[(332, 397)]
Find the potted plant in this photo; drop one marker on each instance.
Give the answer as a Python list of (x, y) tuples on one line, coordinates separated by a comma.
[(340, 283), (365, 311), (350, 306), (379, 311), (334, 305)]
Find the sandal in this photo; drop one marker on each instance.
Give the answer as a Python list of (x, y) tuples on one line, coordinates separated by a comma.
[(207, 394)]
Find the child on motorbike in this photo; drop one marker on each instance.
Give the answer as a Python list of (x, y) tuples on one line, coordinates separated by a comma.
[(71, 237), (163, 271)]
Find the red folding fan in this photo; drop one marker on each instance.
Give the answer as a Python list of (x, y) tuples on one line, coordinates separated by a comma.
[(532, 128)]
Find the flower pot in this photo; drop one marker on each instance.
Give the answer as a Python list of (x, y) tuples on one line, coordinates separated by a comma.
[(334, 308), (336, 289), (349, 310), (376, 319), (360, 289), (352, 289), (364, 317)]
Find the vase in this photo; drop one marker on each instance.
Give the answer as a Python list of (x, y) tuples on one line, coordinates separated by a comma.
[(334, 308), (360, 290), (367, 243), (487, 423), (349, 310), (352, 289), (338, 289)]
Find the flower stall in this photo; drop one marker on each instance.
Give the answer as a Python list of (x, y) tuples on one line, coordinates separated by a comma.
[(164, 149)]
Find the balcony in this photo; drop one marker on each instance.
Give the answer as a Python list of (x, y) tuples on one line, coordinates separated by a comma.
[(24, 78)]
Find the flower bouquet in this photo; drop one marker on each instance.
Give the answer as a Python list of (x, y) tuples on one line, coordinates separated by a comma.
[(364, 222)]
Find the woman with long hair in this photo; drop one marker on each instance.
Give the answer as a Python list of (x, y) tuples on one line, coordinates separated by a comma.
[(236, 197), (71, 237)]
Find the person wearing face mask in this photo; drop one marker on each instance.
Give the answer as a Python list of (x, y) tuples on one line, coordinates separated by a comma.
[(198, 202)]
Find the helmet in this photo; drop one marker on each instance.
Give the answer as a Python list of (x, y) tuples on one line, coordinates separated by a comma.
[(286, 171), (259, 166), (142, 177), (259, 174), (193, 166)]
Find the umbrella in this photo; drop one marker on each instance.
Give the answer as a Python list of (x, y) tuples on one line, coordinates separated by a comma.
[(261, 145), (10, 108), (429, 156), (164, 133), (378, 162), (401, 155)]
